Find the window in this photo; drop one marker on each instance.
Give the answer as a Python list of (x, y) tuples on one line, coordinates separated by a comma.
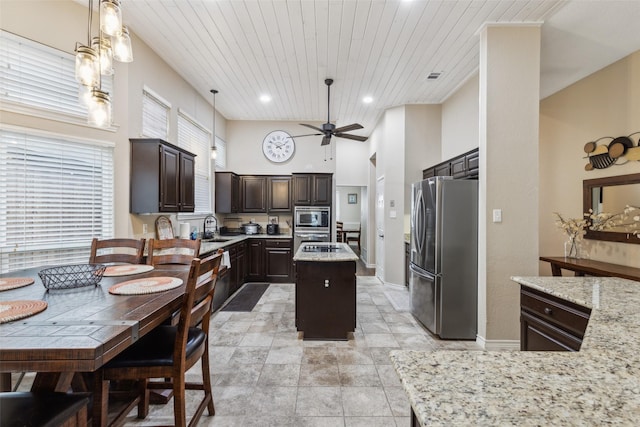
[(39, 80), (221, 159), (194, 138), (56, 194), (155, 115)]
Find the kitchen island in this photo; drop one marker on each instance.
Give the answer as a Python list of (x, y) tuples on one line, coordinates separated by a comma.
[(600, 384), (325, 290)]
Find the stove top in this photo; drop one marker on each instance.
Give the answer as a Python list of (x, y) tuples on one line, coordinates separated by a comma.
[(321, 248)]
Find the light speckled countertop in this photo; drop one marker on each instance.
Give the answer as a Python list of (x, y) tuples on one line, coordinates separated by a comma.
[(598, 385), (345, 254), (208, 247)]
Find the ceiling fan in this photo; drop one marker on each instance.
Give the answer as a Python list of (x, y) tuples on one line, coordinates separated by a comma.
[(329, 129)]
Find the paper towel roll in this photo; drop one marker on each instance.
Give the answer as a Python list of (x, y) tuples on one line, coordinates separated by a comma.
[(184, 230)]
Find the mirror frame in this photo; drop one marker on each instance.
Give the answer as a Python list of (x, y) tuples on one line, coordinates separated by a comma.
[(587, 190)]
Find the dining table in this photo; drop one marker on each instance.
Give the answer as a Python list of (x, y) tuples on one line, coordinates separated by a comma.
[(81, 328)]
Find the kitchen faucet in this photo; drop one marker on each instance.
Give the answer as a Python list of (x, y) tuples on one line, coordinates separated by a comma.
[(208, 220)]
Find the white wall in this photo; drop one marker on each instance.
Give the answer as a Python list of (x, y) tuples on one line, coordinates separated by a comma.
[(349, 213), (352, 162), (460, 120), (606, 103)]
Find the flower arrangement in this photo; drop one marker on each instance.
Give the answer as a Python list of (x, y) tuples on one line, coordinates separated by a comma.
[(628, 220), (574, 227)]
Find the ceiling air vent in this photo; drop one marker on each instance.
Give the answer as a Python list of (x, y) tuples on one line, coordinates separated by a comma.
[(433, 76)]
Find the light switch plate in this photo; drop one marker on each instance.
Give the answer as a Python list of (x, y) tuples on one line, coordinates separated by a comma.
[(497, 215)]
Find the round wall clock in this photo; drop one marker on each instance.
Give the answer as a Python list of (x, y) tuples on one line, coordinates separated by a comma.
[(278, 146)]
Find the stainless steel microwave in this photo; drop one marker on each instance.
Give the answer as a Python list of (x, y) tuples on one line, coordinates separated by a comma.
[(312, 217)]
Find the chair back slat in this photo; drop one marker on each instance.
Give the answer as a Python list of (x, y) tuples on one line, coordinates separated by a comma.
[(106, 251), (172, 251)]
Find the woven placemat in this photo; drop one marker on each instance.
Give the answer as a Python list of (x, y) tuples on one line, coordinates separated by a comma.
[(126, 269), (14, 310), (147, 285), (14, 282)]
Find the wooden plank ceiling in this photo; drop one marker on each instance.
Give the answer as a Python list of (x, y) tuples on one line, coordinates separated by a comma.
[(286, 48)]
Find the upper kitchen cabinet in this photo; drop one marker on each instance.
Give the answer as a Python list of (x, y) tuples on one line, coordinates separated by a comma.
[(464, 166), (227, 192), (312, 189), (253, 193), (162, 177), (279, 197)]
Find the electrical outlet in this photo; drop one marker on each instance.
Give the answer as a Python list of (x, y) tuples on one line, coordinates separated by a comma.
[(145, 229)]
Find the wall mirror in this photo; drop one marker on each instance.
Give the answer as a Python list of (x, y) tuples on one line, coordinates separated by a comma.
[(611, 195)]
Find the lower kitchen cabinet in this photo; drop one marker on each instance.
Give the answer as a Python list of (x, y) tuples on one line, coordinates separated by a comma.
[(278, 260), (548, 323), (255, 249)]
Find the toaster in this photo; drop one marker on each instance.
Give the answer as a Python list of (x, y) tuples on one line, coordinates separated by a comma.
[(273, 229)]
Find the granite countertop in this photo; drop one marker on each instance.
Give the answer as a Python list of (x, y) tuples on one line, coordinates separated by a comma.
[(208, 247), (344, 254), (600, 384)]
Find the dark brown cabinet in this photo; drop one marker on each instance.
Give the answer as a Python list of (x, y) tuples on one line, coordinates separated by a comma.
[(253, 193), (407, 261), (312, 189), (325, 299), (227, 192), (255, 248), (238, 270), (278, 260), (464, 166), (162, 177), (549, 323), (279, 194)]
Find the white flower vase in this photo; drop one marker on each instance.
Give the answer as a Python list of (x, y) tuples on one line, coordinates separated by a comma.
[(572, 248)]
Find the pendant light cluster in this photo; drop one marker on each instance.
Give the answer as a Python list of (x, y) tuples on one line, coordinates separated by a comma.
[(214, 150), (95, 59)]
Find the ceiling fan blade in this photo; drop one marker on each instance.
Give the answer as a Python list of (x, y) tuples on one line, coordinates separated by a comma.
[(326, 141), (346, 135), (312, 127), (307, 134), (348, 128)]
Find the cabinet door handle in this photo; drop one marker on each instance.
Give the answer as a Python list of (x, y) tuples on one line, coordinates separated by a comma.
[(548, 311)]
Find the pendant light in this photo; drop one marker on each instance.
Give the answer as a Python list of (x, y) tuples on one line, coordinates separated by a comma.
[(87, 69), (110, 17), (214, 150), (100, 109), (102, 46), (122, 51)]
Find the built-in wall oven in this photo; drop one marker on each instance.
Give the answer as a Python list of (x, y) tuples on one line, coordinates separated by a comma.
[(311, 224)]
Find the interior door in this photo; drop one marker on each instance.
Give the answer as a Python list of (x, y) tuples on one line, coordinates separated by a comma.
[(380, 229)]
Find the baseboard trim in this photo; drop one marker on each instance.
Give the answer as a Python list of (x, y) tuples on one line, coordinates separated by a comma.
[(498, 345)]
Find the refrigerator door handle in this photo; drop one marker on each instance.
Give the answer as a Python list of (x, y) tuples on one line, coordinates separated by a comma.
[(419, 222)]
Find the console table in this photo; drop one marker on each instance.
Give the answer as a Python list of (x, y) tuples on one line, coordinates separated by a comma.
[(592, 268)]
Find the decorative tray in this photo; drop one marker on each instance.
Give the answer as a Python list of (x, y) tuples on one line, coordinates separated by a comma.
[(72, 276)]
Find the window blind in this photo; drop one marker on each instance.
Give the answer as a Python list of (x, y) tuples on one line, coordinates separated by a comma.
[(155, 116), (194, 138), (56, 194), (38, 77), (221, 148)]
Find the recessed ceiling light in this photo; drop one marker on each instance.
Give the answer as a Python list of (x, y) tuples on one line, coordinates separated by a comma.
[(367, 99), (265, 98)]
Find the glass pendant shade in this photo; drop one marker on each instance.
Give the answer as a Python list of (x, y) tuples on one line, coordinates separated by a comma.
[(110, 17), (214, 153), (122, 46), (100, 109), (103, 46), (87, 67)]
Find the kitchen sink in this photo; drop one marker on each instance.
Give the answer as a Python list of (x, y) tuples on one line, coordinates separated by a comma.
[(216, 240)]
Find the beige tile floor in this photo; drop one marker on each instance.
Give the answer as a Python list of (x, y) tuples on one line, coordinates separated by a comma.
[(264, 375)]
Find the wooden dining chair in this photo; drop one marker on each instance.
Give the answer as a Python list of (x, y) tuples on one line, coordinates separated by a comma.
[(43, 409), (172, 251), (129, 251), (353, 236), (167, 352), (339, 231)]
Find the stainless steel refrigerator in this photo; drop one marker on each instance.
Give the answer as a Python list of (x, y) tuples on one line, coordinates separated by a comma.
[(443, 280)]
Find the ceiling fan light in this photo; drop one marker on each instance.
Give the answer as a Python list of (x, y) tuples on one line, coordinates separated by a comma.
[(100, 109), (110, 17), (122, 50), (87, 67)]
